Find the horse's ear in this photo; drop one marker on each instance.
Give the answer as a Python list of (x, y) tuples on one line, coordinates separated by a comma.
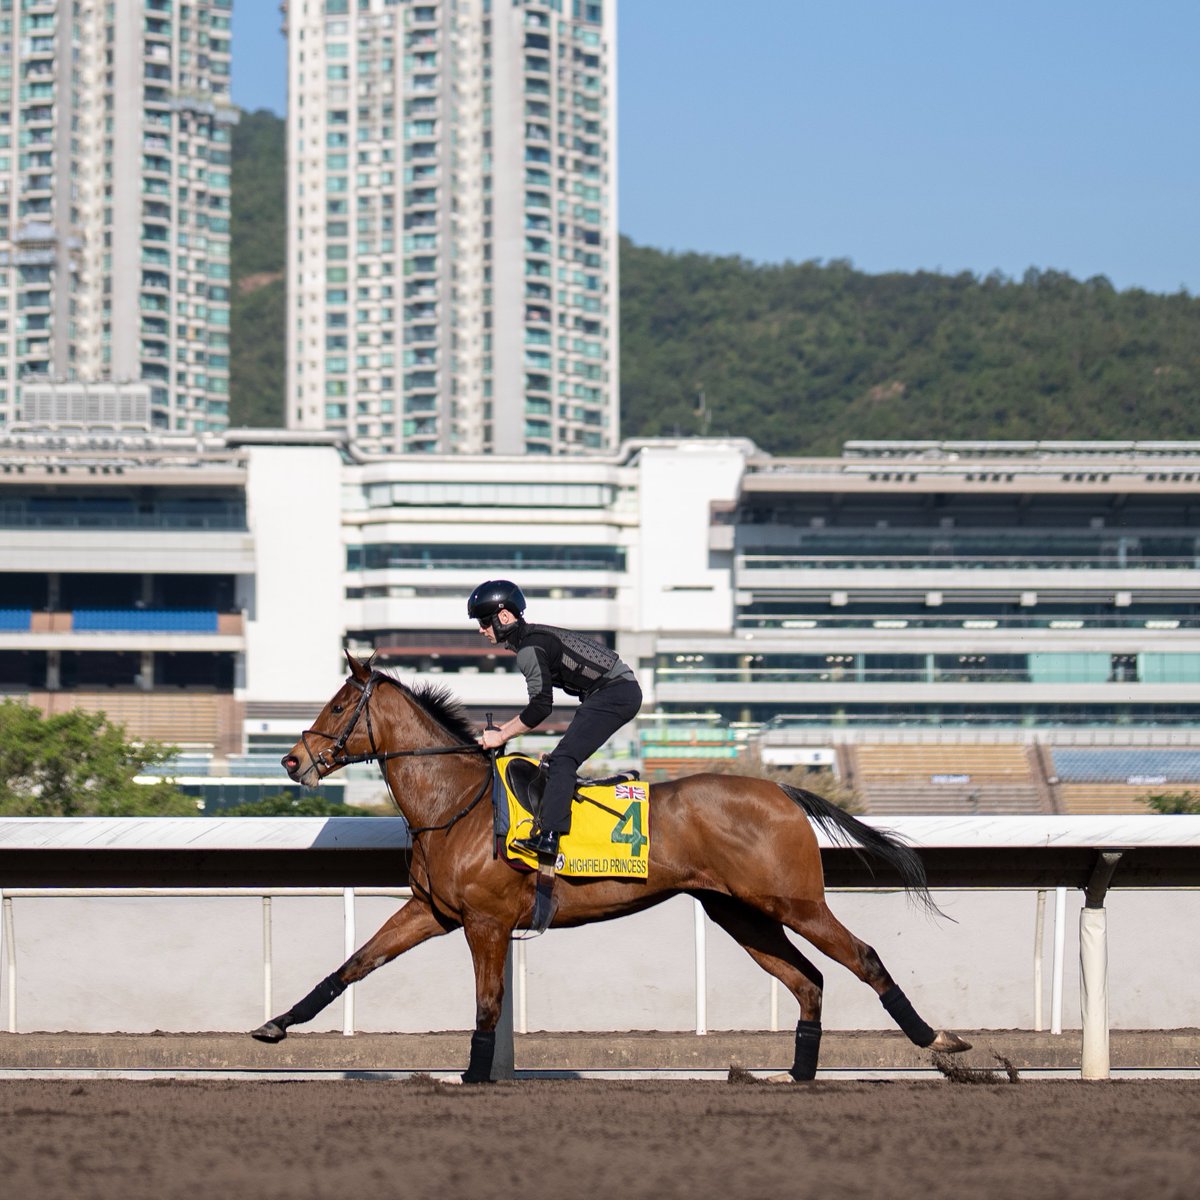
[(360, 670)]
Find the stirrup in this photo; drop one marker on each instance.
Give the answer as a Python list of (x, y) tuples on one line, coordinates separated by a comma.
[(545, 904), (541, 844)]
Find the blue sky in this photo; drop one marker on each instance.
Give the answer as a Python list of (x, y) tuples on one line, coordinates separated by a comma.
[(944, 135)]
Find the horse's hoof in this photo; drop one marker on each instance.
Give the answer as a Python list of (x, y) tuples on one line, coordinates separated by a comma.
[(270, 1032), (948, 1043), (782, 1077)]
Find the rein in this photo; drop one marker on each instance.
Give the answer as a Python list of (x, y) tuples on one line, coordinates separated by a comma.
[(333, 757), (458, 816), (343, 760)]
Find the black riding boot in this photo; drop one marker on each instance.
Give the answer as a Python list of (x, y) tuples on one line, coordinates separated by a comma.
[(541, 843)]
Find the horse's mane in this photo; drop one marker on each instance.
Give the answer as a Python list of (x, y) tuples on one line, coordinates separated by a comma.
[(445, 708)]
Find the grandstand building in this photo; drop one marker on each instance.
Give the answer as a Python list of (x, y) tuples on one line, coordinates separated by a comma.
[(950, 626)]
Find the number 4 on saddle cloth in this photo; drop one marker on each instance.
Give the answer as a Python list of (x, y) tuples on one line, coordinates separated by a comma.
[(610, 821)]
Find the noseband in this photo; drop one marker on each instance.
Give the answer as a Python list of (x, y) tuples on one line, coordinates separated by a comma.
[(334, 756)]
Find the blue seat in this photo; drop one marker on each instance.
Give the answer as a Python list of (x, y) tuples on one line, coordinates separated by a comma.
[(145, 620), (15, 619), (1075, 764)]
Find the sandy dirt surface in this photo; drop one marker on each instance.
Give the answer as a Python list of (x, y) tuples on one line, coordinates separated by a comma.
[(416, 1138)]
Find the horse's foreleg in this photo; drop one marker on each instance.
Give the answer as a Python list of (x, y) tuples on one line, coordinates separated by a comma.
[(766, 942), (488, 940), (816, 924), (413, 924)]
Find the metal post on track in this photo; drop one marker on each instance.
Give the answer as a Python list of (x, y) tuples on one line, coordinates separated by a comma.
[(701, 970), (503, 1061), (1093, 968)]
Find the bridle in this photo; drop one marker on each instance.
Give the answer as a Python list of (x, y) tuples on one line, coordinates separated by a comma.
[(334, 756)]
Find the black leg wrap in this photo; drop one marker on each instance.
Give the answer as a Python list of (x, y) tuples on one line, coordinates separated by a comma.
[(323, 995), (808, 1048), (483, 1050), (900, 1009)]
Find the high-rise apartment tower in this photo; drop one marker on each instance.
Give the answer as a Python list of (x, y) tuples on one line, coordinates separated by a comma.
[(452, 236), (115, 127)]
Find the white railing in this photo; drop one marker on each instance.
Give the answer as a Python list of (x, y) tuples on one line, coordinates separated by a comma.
[(961, 854), (520, 990)]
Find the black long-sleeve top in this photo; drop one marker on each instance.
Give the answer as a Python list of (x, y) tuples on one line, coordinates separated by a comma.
[(549, 657)]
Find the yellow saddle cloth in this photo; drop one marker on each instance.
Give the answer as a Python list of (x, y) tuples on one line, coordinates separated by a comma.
[(610, 827)]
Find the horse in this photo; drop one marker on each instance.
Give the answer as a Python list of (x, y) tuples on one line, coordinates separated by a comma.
[(745, 848)]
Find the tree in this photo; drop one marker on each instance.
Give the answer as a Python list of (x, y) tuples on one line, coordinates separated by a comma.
[(1174, 802), (78, 764), (287, 804)]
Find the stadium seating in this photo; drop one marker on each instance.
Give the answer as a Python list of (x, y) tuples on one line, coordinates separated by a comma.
[(15, 620), (1078, 764), (200, 722), (1104, 799), (145, 620), (918, 779)]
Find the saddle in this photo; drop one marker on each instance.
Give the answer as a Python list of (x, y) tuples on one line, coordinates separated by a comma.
[(527, 779), (610, 823)]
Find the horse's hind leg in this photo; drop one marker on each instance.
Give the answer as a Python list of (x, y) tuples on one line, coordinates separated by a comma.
[(816, 924), (413, 924), (766, 942)]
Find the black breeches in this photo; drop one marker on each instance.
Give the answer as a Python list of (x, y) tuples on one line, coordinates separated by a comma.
[(598, 717)]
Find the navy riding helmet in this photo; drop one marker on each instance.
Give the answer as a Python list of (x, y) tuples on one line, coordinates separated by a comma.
[(490, 597)]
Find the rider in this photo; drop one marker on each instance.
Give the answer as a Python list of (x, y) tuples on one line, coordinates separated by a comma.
[(549, 657)]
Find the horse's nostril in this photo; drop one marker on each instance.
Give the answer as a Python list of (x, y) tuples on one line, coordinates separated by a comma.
[(290, 762)]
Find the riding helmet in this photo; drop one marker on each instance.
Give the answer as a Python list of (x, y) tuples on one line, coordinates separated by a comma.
[(490, 597)]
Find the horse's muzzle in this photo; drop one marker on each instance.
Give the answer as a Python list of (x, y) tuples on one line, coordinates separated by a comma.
[(291, 764)]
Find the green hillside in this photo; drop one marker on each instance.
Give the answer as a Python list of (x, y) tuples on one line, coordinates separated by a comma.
[(259, 307), (802, 357)]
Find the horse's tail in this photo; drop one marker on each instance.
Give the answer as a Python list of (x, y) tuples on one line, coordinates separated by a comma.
[(889, 848)]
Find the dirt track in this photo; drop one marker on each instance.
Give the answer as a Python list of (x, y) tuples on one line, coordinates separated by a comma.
[(416, 1138)]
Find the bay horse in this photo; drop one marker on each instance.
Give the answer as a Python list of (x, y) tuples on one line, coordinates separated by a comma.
[(744, 847)]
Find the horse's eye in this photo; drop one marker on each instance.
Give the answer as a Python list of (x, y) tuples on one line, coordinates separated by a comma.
[(337, 708)]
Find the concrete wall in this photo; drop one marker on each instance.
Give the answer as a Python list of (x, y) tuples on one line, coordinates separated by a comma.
[(680, 587), (293, 648), (143, 964)]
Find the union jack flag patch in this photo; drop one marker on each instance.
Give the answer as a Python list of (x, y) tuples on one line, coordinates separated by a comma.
[(629, 791)]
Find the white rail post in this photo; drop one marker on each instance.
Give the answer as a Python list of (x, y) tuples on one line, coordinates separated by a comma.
[(1060, 943), (1039, 941), (348, 926), (701, 970), (522, 985), (10, 955), (266, 933)]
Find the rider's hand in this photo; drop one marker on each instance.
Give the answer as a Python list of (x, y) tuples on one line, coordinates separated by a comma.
[(492, 739)]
